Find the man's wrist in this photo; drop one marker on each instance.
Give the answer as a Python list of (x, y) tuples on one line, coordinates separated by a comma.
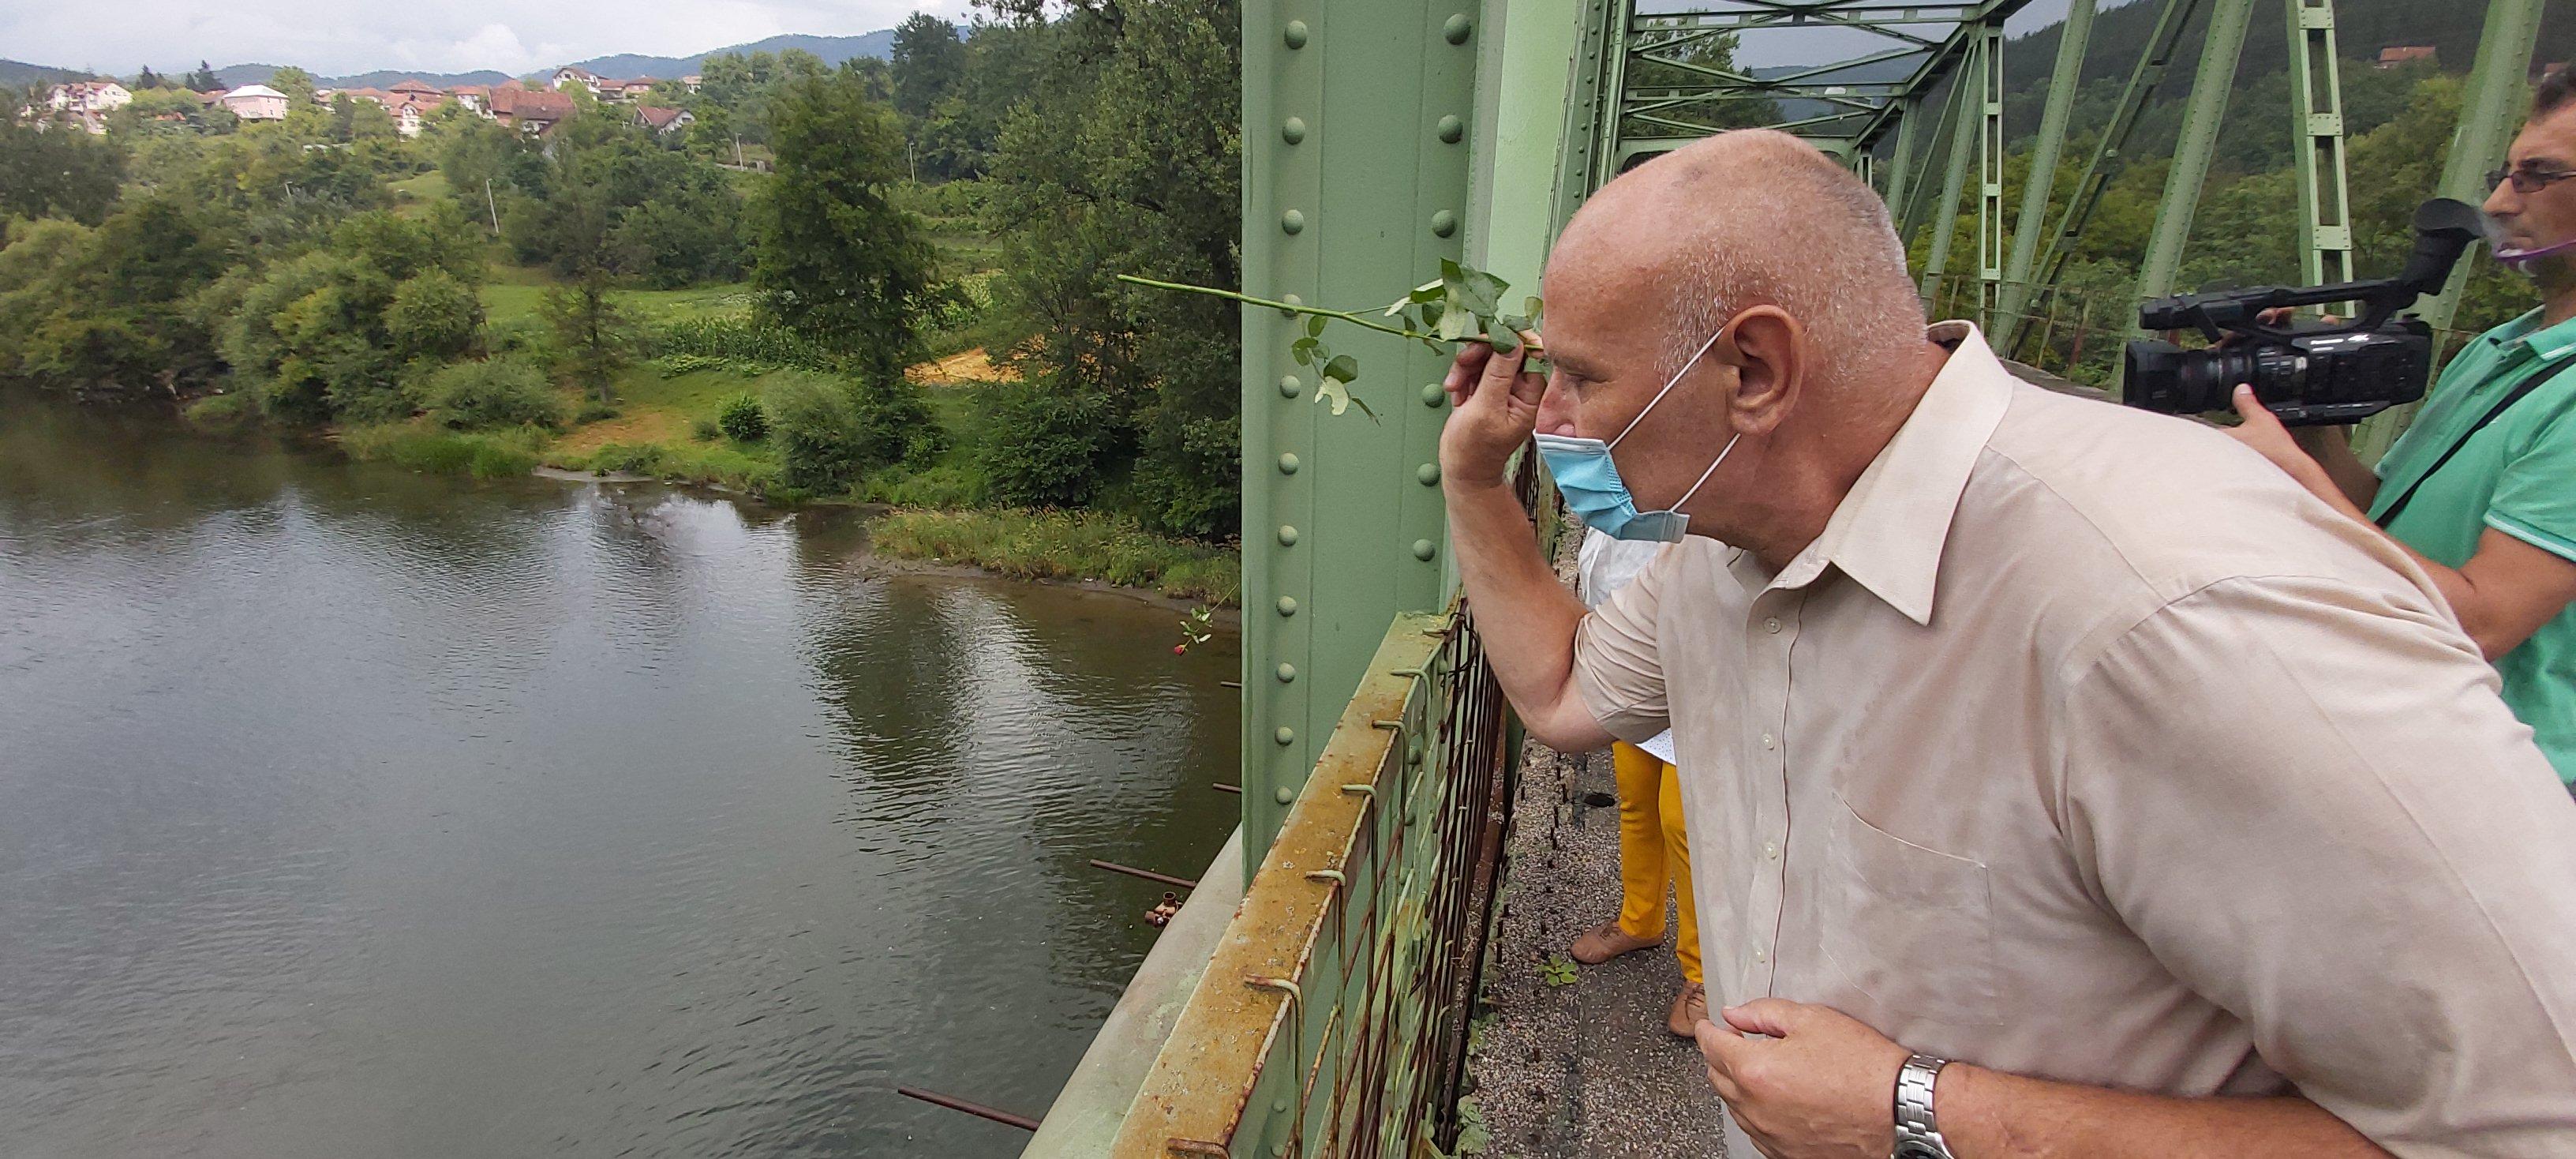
[(1918, 1132)]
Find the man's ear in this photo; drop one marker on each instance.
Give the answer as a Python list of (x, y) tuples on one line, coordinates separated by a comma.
[(1768, 350)]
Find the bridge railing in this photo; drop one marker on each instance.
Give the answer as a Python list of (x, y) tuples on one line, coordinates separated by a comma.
[(1332, 1019)]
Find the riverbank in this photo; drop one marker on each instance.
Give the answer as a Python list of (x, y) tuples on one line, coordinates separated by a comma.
[(1046, 545)]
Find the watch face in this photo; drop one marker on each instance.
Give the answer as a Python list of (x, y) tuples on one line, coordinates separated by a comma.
[(1914, 1150)]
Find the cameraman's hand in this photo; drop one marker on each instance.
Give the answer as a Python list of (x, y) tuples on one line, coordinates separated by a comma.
[(2264, 432), (1496, 407)]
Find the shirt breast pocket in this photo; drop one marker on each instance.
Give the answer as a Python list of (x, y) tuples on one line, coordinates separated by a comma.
[(1909, 927)]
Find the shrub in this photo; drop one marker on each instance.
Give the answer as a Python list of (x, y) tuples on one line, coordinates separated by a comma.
[(498, 392), (225, 413), (830, 431), (1051, 449), (743, 420), (595, 411), (705, 431)]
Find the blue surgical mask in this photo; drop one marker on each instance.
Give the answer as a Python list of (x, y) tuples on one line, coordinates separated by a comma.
[(1589, 479)]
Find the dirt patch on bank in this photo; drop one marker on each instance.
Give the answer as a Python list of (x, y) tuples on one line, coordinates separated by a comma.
[(958, 369)]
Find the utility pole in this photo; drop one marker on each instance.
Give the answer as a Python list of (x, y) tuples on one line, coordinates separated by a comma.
[(492, 205)]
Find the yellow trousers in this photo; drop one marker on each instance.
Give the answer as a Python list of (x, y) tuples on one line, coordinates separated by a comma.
[(1653, 853)]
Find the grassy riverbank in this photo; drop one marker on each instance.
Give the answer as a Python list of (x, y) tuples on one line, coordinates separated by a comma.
[(1083, 545)]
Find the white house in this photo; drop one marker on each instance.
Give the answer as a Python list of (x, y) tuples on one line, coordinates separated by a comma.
[(89, 98), (256, 103), (570, 75)]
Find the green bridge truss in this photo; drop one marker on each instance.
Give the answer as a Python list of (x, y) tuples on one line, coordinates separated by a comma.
[(1326, 1017)]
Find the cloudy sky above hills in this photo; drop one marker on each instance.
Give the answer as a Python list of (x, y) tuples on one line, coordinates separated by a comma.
[(336, 36), (332, 37)]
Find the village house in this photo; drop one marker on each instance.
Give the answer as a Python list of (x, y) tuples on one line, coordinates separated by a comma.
[(88, 99), (570, 75), (2403, 54), (530, 111), (256, 103), (663, 120), (477, 99), (692, 81)]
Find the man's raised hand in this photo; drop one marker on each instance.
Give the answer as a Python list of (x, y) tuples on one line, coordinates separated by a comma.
[(1495, 406)]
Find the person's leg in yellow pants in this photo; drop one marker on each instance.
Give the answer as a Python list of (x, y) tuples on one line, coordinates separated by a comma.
[(1653, 853)]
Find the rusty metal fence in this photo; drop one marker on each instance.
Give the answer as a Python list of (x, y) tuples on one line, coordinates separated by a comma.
[(1332, 1020)]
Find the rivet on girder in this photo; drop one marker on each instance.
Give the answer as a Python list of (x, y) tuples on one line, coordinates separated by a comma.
[(1287, 605), (1455, 29), (1289, 387), (1413, 754), (1287, 672), (1295, 34), (1451, 128), (1443, 223), (1288, 463), (1424, 549), (1292, 300), (1293, 131), (1432, 394), (1287, 536), (1427, 474), (1285, 735), (1292, 221), (1285, 795)]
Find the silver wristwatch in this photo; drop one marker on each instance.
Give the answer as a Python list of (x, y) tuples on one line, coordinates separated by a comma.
[(1918, 1135)]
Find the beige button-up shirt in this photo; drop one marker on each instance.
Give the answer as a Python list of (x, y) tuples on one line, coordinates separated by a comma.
[(2083, 744)]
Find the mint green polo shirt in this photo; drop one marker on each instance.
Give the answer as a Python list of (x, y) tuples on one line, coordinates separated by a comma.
[(2518, 476)]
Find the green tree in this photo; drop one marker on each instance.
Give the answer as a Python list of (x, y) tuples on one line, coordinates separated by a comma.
[(148, 79), (434, 315), (592, 339), (1133, 164), (204, 79), (927, 62), (56, 174), (837, 261), (296, 83)]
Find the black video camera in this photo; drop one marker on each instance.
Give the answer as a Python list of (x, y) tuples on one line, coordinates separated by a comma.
[(2307, 373)]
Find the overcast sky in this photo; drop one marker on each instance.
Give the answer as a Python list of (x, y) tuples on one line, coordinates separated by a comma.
[(341, 36)]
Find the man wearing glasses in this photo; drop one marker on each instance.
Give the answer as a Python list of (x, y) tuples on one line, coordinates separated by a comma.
[(2481, 490)]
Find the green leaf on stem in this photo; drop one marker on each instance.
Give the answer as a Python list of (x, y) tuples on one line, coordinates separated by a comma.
[(1343, 368)]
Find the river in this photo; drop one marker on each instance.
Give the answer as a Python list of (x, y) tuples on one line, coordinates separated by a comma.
[(345, 811)]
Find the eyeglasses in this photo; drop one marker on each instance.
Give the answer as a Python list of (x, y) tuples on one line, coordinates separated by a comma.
[(2529, 180)]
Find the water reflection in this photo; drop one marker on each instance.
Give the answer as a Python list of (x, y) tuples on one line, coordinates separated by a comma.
[(344, 811)]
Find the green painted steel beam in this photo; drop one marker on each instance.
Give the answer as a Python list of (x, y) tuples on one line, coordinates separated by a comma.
[(1343, 524), (2144, 78), (2202, 114), (2316, 112), (1965, 98), (1588, 101), (1990, 172), (1935, 144), (1900, 169), (2489, 111), (2063, 80)]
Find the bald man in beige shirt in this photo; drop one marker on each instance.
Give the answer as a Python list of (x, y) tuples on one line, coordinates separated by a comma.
[(2070, 743)]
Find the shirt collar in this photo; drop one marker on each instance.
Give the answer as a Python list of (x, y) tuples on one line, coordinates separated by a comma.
[(1887, 532), (2546, 342)]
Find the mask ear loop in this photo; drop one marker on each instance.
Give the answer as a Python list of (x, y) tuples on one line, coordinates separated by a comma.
[(1670, 383), (1703, 476)]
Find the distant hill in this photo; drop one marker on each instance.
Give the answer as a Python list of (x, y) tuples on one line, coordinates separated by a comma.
[(236, 75), (833, 50), (19, 74), (382, 78)]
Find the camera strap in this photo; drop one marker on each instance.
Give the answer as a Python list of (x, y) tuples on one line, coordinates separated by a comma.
[(2502, 405)]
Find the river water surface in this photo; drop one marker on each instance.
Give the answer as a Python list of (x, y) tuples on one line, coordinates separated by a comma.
[(349, 812)]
